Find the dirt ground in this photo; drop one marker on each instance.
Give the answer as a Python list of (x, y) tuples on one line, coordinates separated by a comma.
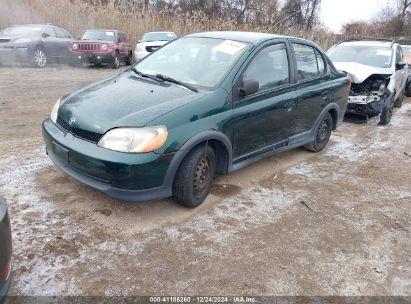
[(334, 223)]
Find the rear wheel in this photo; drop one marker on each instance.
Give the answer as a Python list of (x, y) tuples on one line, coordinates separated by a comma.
[(194, 177), (322, 135), (39, 59)]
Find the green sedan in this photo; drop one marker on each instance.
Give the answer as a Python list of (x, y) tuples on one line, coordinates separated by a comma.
[(202, 105)]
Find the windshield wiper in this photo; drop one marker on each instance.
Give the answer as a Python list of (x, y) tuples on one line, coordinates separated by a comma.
[(146, 75), (172, 80)]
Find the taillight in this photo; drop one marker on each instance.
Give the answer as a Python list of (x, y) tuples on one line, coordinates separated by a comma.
[(6, 271), (349, 84)]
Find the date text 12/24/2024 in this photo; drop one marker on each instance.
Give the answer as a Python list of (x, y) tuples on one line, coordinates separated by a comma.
[(202, 299)]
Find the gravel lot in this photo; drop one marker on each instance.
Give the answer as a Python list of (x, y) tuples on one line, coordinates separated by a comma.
[(334, 223)]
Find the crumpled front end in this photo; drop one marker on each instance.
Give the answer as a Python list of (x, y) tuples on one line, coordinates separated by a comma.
[(369, 97)]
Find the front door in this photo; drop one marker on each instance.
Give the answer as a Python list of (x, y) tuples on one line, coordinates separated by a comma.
[(264, 120)]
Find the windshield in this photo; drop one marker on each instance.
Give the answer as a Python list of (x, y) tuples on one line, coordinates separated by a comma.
[(23, 30), (379, 57), (99, 35), (158, 37), (198, 61), (407, 53)]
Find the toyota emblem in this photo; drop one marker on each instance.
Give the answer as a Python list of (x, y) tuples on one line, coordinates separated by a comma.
[(72, 121)]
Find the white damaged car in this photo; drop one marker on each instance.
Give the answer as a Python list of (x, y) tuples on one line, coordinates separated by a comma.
[(378, 75), (151, 42)]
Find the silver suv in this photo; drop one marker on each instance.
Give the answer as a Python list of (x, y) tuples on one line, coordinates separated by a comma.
[(378, 74)]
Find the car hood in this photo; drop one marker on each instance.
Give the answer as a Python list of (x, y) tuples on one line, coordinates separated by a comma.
[(125, 100), (152, 43), (360, 72), (94, 41), (11, 37)]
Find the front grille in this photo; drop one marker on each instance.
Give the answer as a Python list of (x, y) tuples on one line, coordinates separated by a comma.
[(152, 48), (4, 40), (89, 46), (80, 133)]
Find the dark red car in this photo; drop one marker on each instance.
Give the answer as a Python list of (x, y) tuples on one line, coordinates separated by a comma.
[(102, 47)]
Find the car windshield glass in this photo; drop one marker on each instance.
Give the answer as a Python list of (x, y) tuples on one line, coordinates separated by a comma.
[(406, 50), (99, 35), (197, 61), (23, 30), (379, 57), (158, 37)]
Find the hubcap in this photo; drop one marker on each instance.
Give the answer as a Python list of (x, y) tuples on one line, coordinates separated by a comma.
[(323, 131), (40, 58), (201, 177)]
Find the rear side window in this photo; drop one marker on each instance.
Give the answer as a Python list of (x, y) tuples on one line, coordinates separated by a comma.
[(269, 67), (121, 37), (310, 63)]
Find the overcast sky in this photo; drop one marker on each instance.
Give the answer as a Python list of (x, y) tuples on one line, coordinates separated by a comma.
[(334, 13)]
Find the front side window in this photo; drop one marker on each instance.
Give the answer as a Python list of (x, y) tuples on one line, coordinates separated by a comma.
[(49, 31), (309, 65), (269, 67), (60, 33), (194, 60)]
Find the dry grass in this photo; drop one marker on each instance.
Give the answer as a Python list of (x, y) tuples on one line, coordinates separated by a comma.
[(76, 16)]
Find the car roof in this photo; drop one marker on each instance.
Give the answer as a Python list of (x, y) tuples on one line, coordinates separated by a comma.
[(160, 32), (376, 43), (251, 37), (104, 30)]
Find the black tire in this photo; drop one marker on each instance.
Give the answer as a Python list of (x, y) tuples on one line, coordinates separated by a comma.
[(386, 114), (194, 177), (39, 57), (408, 89), (322, 134), (400, 100), (129, 58), (116, 61)]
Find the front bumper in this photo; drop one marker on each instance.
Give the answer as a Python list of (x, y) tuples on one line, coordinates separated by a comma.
[(5, 289), (93, 58), (10, 54), (124, 176)]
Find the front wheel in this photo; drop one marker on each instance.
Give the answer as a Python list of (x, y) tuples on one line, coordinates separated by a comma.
[(322, 135), (194, 177), (39, 59), (386, 114), (116, 62), (129, 58)]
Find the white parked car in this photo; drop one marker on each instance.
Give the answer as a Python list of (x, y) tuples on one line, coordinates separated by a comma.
[(151, 42), (378, 74)]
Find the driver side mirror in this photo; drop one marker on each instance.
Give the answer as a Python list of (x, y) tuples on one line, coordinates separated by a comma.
[(401, 65), (250, 87), (45, 35)]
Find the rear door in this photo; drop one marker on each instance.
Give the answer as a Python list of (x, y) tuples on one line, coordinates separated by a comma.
[(313, 91), (50, 42), (264, 121)]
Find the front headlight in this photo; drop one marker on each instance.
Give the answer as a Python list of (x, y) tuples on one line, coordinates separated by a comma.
[(54, 111), (22, 40), (104, 47), (75, 46), (134, 140)]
